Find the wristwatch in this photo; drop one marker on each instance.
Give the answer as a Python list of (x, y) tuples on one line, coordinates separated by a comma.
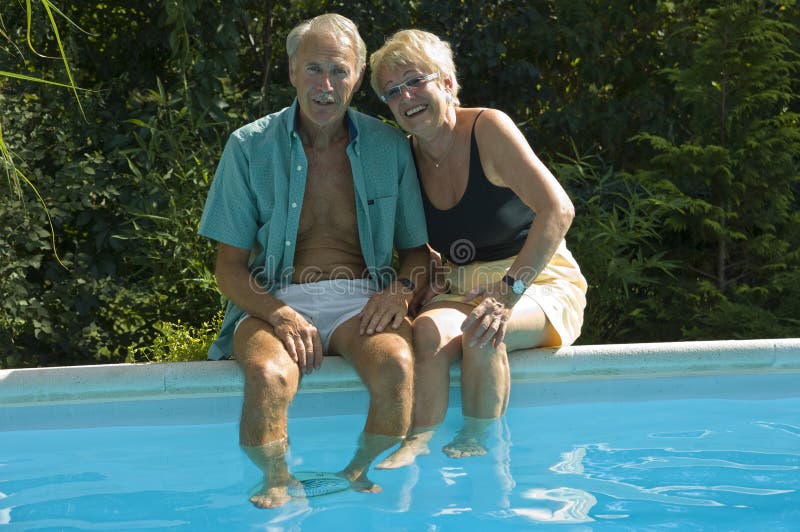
[(408, 283), (517, 285)]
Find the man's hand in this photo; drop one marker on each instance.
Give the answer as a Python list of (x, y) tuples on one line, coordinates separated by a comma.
[(300, 338), (489, 320), (389, 306)]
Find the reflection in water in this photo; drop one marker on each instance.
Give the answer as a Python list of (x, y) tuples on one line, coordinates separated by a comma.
[(618, 473), (450, 474), (490, 473), (577, 504), (405, 498), (695, 434), (501, 453)]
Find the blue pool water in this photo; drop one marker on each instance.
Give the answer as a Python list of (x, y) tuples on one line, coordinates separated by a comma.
[(723, 457)]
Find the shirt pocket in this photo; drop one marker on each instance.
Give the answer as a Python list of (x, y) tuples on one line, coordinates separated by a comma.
[(381, 207), (382, 211)]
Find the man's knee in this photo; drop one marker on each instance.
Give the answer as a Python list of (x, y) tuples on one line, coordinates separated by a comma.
[(390, 362), (265, 374), (268, 370)]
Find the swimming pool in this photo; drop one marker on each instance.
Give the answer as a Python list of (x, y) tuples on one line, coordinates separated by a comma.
[(687, 436)]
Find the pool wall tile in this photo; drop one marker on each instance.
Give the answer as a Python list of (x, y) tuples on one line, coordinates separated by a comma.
[(589, 362), (215, 377)]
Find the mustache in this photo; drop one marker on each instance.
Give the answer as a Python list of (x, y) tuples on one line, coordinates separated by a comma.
[(324, 97)]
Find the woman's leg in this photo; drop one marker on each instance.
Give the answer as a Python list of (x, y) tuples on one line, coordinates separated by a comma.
[(486, 380), (437, 344)]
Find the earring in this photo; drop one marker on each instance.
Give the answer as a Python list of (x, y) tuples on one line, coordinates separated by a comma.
[(448, 98)]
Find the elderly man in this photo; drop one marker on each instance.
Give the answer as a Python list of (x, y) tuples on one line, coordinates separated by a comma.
[(307, 205)]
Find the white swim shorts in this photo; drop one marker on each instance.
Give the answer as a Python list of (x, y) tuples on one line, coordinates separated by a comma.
[(325, 304)]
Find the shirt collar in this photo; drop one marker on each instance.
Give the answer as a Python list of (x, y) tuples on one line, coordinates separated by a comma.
[(294, 115)]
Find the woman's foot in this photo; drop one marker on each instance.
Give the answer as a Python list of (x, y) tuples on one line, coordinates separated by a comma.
[(415, 445), (361, 483), (471, 439), (369, 447)]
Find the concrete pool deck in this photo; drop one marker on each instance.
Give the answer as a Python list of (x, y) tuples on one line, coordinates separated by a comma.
[(576, 363)]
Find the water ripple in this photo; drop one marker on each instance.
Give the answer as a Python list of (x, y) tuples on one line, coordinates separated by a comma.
[(784, 427), (575, 509)]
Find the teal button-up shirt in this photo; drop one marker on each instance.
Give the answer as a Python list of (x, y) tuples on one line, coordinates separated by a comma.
[(256, 198)]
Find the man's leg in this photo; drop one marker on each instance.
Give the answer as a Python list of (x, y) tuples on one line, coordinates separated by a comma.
[(271, 379), (384, 361)]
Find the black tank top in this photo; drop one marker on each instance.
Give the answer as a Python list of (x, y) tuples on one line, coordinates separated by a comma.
[(488, 222)]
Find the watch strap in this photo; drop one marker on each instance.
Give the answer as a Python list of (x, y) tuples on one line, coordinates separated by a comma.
[(408, 283)]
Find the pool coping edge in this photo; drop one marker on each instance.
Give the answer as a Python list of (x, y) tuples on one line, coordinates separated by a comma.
[(587, 362)]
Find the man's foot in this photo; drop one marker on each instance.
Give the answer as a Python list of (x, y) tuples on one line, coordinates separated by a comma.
[(271, 460), (470, 440), (415, 445), (270, 496)]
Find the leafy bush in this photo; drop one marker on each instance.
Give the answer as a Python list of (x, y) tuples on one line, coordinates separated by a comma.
[(616, 240), (178, 342)]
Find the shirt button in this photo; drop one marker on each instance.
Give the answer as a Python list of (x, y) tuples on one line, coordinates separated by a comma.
[(294, 205), (288, 242), (299, 168)]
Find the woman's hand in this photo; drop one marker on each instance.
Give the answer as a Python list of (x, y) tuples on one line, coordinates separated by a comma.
[(489, 320)]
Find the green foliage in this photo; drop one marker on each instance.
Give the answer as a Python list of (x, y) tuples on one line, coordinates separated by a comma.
[(178, 342), (733, 167), (691, 231), (616, 239)]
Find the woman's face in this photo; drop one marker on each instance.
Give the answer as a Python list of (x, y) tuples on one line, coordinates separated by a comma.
[(417, 102)]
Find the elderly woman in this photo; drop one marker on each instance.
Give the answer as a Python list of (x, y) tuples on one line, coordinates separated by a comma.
[(496, 220)]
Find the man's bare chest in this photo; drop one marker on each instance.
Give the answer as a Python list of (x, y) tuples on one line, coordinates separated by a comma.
[(329, 200)]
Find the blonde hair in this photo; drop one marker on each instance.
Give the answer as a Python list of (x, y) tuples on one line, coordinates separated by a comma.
[(414, 48), (341, 27)]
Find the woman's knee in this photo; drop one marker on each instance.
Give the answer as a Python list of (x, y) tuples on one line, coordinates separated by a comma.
[(428, 339)]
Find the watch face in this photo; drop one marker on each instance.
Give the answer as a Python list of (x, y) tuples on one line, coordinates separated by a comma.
[(519, 287)]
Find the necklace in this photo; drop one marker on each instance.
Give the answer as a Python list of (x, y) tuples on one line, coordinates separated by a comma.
[(446, 152)]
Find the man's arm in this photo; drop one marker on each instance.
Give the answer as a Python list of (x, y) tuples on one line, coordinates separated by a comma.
[(300, 338), (414, 266)]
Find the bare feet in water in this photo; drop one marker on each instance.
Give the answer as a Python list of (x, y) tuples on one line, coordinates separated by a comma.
[(271, 496), (369, 447), (471, 439), (464, 447), (271, 460), (361, 483), (415, 445)]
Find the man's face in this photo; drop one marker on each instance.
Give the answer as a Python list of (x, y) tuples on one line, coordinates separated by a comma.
[(326, 76)]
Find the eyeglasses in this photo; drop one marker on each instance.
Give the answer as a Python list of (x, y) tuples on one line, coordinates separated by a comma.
[(410, 85)]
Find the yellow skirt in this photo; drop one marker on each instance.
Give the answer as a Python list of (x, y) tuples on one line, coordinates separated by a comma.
[(560, 289)]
